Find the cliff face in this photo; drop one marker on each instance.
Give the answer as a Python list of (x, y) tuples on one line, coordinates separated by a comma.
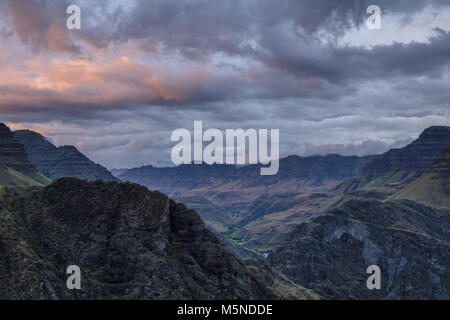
[(57, 162), (441, 166), (408, 241), (433, 187), (15, 168), (396, 168), (130, 243)]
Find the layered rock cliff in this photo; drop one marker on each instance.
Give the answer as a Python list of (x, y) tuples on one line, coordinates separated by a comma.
[(396, 168), (433, 187), (57, 162)]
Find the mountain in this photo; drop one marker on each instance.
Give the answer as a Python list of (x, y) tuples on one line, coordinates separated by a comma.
[(259, 210), (432, 188), (117, 172), (239, 189), (243, 184), (393, 170), (57, 162), (129, 242), (407, 240), (15, 168)]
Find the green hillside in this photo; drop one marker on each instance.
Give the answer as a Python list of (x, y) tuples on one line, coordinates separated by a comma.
[(11, 177), (390, 172), (433, 188), (15, 168)]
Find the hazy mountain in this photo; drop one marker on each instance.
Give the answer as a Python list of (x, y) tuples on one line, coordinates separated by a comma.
[(57, 162), (393, 170), (238, 189), (408, 241), (219, 181), (263, 209), (15, 168), (432, 188), (129, 243), (117, 172)]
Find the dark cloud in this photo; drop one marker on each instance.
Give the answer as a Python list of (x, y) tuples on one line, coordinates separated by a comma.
[(135, 72)]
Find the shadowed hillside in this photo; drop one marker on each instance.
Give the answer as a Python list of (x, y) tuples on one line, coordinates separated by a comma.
[(57, 162), (130, 243), (15, 168), (433, 188), (393, 170), (408, 241)]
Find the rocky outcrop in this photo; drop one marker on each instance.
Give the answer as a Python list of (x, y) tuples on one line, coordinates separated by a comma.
[(441, 166), (57, 162), (130, 243), (408, 241)]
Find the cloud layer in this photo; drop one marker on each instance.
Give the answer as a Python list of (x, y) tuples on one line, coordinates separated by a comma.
[(137, 71)]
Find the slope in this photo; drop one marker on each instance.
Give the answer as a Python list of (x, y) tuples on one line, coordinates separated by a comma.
[(15, 168), (130, 243), (408, 241), (432, 188), (57, 162), (388, 173)]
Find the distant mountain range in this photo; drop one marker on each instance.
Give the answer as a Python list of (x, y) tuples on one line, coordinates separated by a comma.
[(318, 173), (57, 162), (265, 209), (244, 193)]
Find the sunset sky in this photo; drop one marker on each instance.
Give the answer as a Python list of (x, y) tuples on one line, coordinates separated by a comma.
[(139, 69)]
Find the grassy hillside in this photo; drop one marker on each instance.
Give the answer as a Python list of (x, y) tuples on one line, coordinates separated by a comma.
[(390, 172), (11, 177), (432, 188), (15, 168)]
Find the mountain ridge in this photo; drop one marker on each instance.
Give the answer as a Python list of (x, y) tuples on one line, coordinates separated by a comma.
[(57, 162), (433, 187), (394, 169)]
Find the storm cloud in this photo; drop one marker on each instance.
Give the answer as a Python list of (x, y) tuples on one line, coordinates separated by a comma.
[(136, 71)]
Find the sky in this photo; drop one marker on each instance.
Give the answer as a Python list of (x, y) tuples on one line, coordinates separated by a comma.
[(137, 70)]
